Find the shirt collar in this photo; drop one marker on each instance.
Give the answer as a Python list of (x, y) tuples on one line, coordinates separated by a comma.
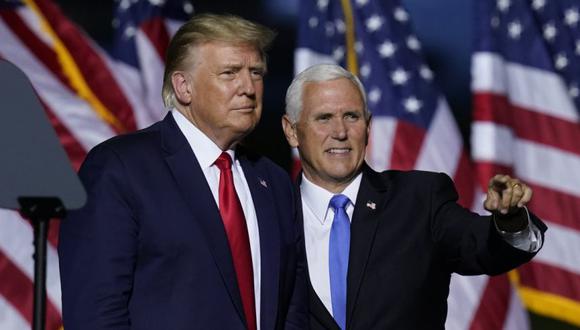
[(205, 150), (318, 198)]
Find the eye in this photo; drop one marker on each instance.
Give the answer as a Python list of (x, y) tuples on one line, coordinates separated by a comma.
[(323, 118), (352, 116), (257, 73)]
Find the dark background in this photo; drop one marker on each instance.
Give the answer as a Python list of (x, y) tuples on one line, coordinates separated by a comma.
[(444, 28)]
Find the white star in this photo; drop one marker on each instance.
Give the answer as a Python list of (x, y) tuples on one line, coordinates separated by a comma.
[(329, 29), (571, 16), (550, 31), (157, 3), (413, 43), (374, 95), (188, 7), (338, 53), (130, 31), (374, 23), (340, 27), (387, 49), (401, 15), (561, 61), (125, 4), (412, 104), (514, 29), (503, 5), (361, 3), (365, 70), (577, 47), (426, 73), (313, 22), (574, 91), (538, 4), (322, 4), (495, 22), (359, 47), (399, 76)]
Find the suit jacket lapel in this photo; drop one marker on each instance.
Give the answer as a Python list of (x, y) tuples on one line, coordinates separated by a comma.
[(264, 205), (372, 198), (193, 186)]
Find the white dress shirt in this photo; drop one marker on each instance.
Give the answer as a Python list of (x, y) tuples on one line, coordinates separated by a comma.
[(206, 152), (318, 217)]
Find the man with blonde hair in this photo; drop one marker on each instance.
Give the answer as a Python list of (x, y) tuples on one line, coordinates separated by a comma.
[(184, 229)]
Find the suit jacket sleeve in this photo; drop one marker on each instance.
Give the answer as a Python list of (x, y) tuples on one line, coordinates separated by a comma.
[(97, 248), (469, 243)]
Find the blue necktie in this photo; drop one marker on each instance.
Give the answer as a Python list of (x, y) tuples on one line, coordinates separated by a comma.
[(338, 258)]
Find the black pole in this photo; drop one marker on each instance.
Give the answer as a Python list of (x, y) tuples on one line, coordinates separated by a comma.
[(40, 210), (40, 238)]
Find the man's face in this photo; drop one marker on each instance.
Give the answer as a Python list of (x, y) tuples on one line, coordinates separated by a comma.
[(225, 88), (331, 134)]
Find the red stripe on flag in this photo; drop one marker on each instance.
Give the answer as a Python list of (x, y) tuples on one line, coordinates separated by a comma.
[(529, 125), (492, 311), (486, 170), (556, 206), (17, 289), (406, 146), (75, 152), (463, 179), (556, 280), (91, 65), (35, 45), (155, 30)]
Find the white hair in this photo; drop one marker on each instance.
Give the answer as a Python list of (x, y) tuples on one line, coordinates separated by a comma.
[(318, 73)]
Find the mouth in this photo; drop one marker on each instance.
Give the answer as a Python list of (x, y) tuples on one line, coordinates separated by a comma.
[(246, 108), (338, 151)]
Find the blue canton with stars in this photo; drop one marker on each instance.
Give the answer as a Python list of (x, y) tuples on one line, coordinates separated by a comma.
[(540, 33), (398, 82), (130, 14)]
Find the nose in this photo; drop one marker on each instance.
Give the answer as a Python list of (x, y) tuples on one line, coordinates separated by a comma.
[(339, 129), (246, 84)]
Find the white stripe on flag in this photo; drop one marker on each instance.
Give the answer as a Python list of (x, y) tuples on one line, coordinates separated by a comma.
[(442, 147), (152, 68), (464, 297), (531, 88), (498, 147), (561, 248), (10, 318), (517, 317), (381, 142), (16, 241), (305, 58), (80, 119)]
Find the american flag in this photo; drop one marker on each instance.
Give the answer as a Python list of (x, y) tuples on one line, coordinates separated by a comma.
[(412, 126), (88, 96), (526, 80)]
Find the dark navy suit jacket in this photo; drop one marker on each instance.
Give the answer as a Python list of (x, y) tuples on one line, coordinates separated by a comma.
[(408, 234), (149, 250)]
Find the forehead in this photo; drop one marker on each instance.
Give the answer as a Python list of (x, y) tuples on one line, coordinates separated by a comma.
[(219, 52), (336, 94)]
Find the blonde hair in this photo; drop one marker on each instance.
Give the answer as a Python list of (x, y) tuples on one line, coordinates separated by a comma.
[(204, 28)]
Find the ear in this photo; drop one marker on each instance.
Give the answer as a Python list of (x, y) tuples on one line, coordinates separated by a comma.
[(290, 131), (180, 84), (369, 121)]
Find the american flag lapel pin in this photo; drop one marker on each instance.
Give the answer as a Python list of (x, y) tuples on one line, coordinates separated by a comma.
[(371, 205), (263, 183)]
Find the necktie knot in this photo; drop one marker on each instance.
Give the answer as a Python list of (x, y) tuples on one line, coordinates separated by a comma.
[(224, 161), (339, 201)]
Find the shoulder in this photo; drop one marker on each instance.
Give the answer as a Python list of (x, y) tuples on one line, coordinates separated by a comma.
[(413, 176)]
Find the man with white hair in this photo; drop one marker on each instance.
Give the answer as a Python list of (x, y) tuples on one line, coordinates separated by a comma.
[(381, 247)]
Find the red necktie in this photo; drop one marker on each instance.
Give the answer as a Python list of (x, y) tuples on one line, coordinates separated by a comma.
[(237, 232)]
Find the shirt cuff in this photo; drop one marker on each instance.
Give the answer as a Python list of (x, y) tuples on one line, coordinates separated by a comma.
[(528, 239)]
